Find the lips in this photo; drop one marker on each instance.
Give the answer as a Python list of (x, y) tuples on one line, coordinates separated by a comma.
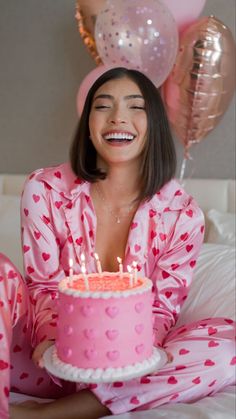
[(118, 137)]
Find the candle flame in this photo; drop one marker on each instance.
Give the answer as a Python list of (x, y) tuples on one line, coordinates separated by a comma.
[(129, 268), (70, 263)]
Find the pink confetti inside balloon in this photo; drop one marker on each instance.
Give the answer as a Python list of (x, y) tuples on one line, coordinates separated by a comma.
[(137, 34)]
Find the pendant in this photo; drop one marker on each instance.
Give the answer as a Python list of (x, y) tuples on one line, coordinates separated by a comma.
[(118, 220)]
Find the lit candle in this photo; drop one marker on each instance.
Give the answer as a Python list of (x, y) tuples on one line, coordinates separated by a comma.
[(130, 276), (119, 260), (71, 269), (134, 264), (98, 263), (85, 277)]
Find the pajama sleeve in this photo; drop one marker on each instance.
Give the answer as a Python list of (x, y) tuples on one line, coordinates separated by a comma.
[(174, 269), (41, 258)]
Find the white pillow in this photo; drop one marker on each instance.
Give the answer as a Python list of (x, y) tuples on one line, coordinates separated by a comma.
[(10, 241), (212, 293), (221, 227)]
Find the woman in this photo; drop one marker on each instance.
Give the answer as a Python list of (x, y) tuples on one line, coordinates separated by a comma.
[(117, 197)]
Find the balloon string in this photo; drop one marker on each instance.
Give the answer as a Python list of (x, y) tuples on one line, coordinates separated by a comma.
[(186, 158)]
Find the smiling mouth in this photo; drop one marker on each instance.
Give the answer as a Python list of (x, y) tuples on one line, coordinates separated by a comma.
[(119, 137)]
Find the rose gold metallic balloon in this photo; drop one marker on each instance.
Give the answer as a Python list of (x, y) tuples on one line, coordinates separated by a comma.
[(86, 13), (201, 85)]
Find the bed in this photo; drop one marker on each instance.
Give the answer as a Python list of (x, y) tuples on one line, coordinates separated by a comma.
[(207, 297)]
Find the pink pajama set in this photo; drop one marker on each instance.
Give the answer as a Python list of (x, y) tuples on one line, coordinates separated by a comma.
[(58, 223)]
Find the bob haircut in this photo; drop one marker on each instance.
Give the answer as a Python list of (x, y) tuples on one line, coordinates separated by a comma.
[(159, 156)]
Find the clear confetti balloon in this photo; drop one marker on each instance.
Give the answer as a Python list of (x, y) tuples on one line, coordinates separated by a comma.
[(138, 34)]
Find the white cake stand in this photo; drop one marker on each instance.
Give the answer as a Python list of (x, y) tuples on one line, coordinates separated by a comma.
[(70, 373)]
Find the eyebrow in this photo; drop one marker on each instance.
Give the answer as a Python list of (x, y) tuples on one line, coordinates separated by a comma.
[(105, 96)]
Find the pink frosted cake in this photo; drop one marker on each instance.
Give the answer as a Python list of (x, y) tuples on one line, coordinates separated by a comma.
[(104, 332)]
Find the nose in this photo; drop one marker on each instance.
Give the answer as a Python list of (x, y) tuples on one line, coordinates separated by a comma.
[(117, 116)]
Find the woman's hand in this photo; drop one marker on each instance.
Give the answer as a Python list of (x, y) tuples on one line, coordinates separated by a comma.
[(39, 351)]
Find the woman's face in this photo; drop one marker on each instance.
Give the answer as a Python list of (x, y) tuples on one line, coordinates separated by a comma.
[(118, 122)]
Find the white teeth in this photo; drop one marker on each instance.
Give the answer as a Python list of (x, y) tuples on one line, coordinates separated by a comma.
[(119, 136)]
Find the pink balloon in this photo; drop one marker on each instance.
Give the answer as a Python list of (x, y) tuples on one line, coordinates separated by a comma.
[(185, 12), (138, 34), (87, 82)]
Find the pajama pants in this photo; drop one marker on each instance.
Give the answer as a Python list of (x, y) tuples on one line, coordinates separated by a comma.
[(203, 359)]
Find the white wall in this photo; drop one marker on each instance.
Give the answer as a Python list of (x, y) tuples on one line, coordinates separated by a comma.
[(43, 62)]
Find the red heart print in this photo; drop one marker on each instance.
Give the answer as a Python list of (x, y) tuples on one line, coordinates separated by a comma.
[(17, 348), (58, 174), (31, 176), (92, 386), (79, 241), (36, 198), (189, 247), (212, 331), (26, 211), (178, 193), (30, 270), (145, 380), (192, 263), (134, 400), (229, 321), (46, 219), (180, 367), (162, 236), (212, 344), (168, 294), (134, 225), (37, 235), (1, 278), (172, 380), (165, 274), (45, 256), (26, 248), (189, 213), (12, 274), (6, 391), (183, 351), (212, 383), (153, 234), (1, 336), (69, 205), (58, 204), (209, 363), (167, 209), (3, 365), (118, 384), (137, 248), (184, 236), (155, 251), (152, 213), (196, 380), (202, 229), (233, 361), (24, 375), (78, 181), (174, 266)]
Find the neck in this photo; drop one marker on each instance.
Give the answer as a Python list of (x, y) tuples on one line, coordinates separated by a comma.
[(121, 184)]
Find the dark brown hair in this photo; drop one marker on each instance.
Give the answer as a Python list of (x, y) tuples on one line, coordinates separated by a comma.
[(159, 157)]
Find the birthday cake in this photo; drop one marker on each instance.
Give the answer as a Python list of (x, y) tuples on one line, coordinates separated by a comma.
[(104, 329)]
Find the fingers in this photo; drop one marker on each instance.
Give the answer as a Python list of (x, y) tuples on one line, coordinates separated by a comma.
[(39, 351)]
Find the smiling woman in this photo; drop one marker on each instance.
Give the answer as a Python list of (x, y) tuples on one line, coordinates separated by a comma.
[(116, 197)]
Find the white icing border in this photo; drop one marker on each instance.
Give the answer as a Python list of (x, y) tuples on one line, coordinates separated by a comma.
[(70, 373), (63, 288)]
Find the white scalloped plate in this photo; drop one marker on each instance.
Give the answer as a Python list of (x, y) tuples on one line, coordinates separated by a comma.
[(109, 375)]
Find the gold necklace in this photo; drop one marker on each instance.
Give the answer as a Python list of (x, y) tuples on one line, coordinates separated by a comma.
[(118, 217)]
